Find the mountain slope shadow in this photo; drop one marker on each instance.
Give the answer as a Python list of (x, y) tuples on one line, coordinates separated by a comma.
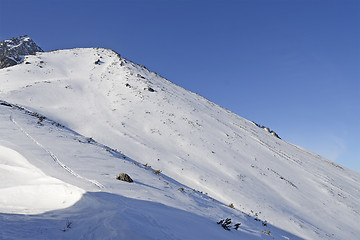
[(100, 215)]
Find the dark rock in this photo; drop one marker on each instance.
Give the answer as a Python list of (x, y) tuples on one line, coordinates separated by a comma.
[(149, 89), (7, 62), (267, 129), (140, 76), (275, 134), (12, 51), (124, 177), (5, 104)]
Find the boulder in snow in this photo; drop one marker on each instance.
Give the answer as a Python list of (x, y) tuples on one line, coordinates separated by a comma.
[(124, 177)]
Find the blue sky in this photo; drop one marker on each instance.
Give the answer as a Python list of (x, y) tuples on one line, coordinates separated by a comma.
[(291, 65)]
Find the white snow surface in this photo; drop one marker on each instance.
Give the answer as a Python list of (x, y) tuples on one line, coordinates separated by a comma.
[(106, 115), (25, 189)]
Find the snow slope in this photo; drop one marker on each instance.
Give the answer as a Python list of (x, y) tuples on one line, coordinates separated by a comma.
[(194, 142), (152, 207)]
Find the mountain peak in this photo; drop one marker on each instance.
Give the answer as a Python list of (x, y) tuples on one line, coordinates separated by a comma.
[(13, 50), (193, 163)]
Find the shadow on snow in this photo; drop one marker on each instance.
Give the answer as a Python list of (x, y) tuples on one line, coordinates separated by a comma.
[(100, 215)]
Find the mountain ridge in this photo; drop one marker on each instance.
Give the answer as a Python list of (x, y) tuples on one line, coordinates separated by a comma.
[(125, 106)]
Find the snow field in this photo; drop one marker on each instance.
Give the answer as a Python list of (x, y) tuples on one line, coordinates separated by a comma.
[(153, 207), (194, 142)]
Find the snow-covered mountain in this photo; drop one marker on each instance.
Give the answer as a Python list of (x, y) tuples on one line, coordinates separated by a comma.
[(12, 51), (82, 116)]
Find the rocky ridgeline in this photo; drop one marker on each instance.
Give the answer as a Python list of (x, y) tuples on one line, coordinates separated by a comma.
[(12, 51), (267, 129)]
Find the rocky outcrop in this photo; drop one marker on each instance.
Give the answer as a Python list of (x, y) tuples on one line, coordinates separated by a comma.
[(12, 51), (267, 129), (124, 177)]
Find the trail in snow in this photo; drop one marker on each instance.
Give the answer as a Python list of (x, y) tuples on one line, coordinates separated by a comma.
[(54, 157)]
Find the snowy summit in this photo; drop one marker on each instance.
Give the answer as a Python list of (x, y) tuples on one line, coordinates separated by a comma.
[(77, 125)]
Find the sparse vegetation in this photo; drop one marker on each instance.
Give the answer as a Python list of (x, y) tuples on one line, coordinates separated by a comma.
[(57, 124), (226, 224), (67, 226), (236, 226), (41, 118)]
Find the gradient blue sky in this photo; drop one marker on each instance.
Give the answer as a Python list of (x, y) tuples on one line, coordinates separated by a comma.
[(291, 65)]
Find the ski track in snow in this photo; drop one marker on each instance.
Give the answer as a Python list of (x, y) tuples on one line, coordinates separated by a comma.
[(54, 157)]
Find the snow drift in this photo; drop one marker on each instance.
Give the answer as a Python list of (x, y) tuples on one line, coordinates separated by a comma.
[(26, 189)]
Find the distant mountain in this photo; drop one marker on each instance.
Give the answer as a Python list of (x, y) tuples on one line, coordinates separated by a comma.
[(85, 115), (12, 51)]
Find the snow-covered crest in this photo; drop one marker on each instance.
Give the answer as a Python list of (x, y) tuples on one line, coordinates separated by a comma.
[(194, 143)]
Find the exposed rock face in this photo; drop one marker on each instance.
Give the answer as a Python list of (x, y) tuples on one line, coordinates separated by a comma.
[(13, 51)]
